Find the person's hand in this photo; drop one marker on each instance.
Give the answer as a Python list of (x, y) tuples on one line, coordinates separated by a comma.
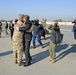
[(16, 28), (53, 23)]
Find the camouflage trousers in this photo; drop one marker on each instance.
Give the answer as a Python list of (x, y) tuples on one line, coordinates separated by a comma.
[(18, 51)]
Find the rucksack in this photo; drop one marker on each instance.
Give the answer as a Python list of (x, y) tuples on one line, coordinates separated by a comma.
[(57, 37)]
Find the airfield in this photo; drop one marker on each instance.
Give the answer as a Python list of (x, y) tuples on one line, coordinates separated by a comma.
[(65, 62)]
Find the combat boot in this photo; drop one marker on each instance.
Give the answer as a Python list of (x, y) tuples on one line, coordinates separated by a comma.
[(15, 61), (53, 61), (19, 64), (50, 59)]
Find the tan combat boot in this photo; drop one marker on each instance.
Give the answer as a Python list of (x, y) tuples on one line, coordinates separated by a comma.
[(53, 61), (50, 59), (19, 63), (15, 60)]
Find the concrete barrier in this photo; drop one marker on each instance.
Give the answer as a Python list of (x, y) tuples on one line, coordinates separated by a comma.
[(62, 23), (59, 23)]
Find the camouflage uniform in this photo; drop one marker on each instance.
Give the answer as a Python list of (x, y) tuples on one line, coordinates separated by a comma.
[(0, 29), (43, 22), (17, 43), (5, 28)]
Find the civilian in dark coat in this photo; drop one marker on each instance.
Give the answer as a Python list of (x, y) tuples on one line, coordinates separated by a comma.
[(42, 32), (74, 31)]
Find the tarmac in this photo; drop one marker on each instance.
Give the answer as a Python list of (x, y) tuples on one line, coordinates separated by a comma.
[(65, 63)]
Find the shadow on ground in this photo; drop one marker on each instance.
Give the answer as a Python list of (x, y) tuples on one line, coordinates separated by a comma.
[(44, 45), (40, 56), (6, 53), (46, 38), (61, 47), (66, 52), (45, 54)]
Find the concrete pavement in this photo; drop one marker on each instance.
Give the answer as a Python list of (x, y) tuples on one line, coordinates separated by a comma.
[(65, 59)]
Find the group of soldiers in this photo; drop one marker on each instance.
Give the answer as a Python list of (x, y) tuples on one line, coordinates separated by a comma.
[(23, 30), (4, 26), (21, 40), (21, 36)]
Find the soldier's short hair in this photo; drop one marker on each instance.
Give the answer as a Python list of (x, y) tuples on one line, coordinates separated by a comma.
[(56, 21), (21, 15), (37, 20), (27, 16), (16, 20)]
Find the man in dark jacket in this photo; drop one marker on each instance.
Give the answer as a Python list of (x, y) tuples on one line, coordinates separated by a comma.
[(74, 31), (36, 34), (42, 32), (27, 38), (11, 28), (74, 27)]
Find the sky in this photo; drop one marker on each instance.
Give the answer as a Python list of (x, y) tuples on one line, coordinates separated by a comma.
[(38, 9)]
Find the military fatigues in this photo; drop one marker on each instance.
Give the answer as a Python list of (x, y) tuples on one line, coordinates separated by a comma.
[(43, 22), (5, 28), (27, 41), (52, 46), (0, 29), (17, 43)]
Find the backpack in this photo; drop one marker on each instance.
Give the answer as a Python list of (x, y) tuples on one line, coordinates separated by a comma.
[(57, 37)]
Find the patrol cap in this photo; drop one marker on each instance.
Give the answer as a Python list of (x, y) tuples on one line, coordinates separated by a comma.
[(26, 16)]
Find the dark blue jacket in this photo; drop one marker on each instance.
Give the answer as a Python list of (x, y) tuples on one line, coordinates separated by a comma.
[(37, 29)]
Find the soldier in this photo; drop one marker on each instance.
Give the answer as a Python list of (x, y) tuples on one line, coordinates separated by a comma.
[(27, 38), (6, 27), (43, 22), (0, 28), (52, 46), (17, 42)]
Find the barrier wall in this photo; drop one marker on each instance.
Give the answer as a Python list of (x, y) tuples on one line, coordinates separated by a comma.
[(61, 23)]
